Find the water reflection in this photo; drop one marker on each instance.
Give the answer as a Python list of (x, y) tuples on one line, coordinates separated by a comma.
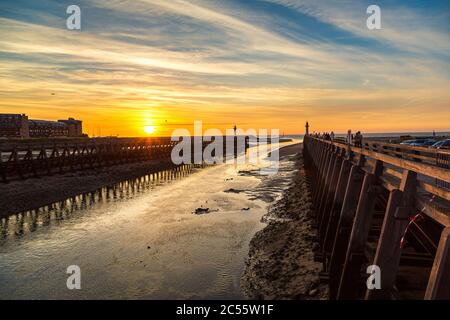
[(28, 221), (134, 243)]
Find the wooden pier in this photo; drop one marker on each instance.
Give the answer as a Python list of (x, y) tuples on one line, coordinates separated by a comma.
[(385, 205), (33, 159)]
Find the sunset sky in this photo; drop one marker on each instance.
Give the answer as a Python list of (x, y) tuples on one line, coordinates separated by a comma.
[(259, 64)]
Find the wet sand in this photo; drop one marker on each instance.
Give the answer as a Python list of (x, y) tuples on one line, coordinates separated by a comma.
[(281, 256), (148, 244)]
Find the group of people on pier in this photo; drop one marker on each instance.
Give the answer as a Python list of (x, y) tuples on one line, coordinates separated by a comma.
[(352, 139), (324, 135), (356, 139)]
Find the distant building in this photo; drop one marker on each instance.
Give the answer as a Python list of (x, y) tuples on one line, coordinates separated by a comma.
[(14, 125), (19, 126), (74, 127), (44, 128)]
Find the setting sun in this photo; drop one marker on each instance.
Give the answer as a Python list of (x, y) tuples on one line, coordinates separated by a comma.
[(149, 129)]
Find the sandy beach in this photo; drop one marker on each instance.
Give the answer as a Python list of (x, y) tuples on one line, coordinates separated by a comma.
[(281, 256)]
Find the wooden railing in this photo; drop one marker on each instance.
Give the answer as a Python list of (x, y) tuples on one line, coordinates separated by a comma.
[(27, 160), (369, 201), (22, 160)]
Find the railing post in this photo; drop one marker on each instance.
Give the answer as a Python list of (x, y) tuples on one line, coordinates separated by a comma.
[(322, 177), (330, 195), (350, 278), (2, 169), (439, 283), (326, 185), (324, 156), (333, 220), (388, 253), (17, 164), (344, 226)]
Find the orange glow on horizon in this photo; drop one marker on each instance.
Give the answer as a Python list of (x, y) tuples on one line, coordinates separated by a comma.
[(137, 122)]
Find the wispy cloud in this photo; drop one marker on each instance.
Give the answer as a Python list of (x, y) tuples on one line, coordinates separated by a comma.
[(262, 63)]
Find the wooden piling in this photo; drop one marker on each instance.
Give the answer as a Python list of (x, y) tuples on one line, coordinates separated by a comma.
[(345, 194), (350, 277), (439, 283)]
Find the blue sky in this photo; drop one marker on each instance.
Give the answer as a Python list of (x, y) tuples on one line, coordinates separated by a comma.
[(271, 63)]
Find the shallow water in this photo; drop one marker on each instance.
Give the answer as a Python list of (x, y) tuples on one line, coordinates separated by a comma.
[(140, 239)]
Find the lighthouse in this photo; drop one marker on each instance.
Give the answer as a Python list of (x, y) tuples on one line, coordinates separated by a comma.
[(307, 129)]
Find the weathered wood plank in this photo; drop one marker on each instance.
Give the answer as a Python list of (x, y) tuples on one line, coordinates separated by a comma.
[(439, 283), (387, 257), (343, 255), (426, 169), (359, 234), (344, 227), (330, 231), (328, 202)]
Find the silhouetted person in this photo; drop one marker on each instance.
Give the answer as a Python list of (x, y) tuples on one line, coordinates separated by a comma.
[(349, 137), (358, 139)]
